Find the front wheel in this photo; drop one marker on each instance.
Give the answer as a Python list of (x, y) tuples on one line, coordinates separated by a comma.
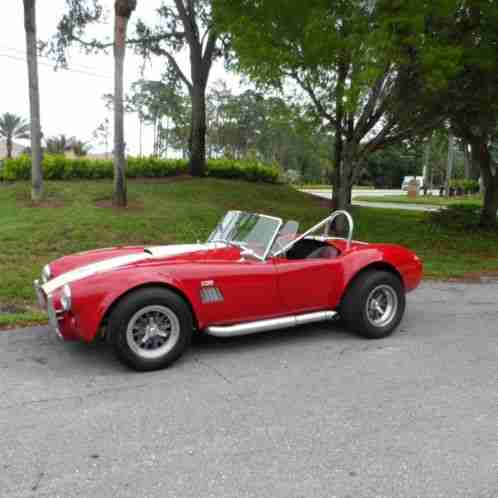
[(374, 304), (150, 328)]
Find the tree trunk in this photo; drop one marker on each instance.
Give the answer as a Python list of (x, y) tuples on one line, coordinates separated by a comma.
[(342, 182), (467, 161), (450, 162), (9, 145), (140, 135), (427, 171), (123, 10), (197, 164), (34, 100), (481, 155)]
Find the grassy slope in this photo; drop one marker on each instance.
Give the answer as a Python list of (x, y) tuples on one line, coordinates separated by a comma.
[(187, 211), (426, 200)]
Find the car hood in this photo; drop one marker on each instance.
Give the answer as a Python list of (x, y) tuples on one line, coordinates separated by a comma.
[(83, 265)]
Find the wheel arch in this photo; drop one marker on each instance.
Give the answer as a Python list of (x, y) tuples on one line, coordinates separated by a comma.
[(377, 265), (147, 285)]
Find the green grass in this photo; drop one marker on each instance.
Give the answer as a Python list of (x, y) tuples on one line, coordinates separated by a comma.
[(186, 211), (430, 200)]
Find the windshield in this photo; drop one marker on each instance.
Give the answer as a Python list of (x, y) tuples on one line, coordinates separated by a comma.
[(253, 232)]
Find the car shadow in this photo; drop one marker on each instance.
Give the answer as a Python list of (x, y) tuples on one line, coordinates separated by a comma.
[(274, 339), (43, 350)]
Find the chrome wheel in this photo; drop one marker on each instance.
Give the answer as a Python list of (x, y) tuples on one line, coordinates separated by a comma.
[(381, 306), (153, 332)]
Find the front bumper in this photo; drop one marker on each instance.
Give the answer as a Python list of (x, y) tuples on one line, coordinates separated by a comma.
[(47, 304)]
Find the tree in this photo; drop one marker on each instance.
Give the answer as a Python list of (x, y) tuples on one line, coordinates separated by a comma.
[(57, 145), (269, 127), (79, 148), (62, 144), (34, 100), (101, 135), (187, 23), (13, 127), (122, 12), (340, 54), (163, 105), (70, 29), (453, 45)]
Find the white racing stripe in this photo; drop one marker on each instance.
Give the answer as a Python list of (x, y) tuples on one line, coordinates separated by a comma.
[(89, 270), (113, 263)]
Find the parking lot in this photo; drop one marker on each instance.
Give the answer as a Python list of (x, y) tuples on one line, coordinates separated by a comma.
[(309, 412)]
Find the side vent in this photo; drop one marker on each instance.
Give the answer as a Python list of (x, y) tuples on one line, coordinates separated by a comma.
[(211, 294)]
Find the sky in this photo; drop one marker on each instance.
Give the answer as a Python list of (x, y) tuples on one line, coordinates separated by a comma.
[(71, 100)]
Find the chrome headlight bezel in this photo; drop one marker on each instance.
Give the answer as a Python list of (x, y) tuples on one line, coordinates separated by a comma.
[(46, 274), (66, 298)]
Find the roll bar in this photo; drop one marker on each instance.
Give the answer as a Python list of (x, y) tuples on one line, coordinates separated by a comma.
[(327, 222)]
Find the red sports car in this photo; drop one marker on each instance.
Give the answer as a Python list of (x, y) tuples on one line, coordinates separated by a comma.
[(253, 274)]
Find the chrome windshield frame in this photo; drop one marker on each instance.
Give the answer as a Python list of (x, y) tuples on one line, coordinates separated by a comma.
[(271, 240)]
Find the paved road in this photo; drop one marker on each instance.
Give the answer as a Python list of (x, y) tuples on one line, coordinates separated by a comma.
[(310, 412), (377, 204)]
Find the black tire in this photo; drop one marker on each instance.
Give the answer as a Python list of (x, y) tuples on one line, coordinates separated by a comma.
[(134, 308), (358, 312)]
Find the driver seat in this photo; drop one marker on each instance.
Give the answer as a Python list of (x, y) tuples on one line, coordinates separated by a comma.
[(324, 252)]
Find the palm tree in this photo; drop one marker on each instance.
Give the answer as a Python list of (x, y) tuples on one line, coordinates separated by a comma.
[(34, 100), (13, 127), (123, 10)]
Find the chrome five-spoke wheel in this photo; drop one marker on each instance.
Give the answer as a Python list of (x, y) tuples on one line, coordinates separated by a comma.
[(374, 304), (382, 305)]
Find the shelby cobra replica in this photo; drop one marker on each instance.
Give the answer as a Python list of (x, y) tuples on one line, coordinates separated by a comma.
[(254, 274)]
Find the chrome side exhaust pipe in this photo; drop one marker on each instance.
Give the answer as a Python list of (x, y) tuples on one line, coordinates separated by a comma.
[(267, 325)]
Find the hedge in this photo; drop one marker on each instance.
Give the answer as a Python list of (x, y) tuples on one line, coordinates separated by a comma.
[(56, 167), (466, 186)]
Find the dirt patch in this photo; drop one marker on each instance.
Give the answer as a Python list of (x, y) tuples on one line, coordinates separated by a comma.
[(44, 204), (51, 201), (11, 309), (108, 204), (477, 277)]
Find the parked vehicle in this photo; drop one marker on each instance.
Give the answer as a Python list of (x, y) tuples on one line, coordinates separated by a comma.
[(254, 274), (408, 179)]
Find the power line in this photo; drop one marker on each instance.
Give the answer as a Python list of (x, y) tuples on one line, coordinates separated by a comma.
[(87, 73), (22, 53)]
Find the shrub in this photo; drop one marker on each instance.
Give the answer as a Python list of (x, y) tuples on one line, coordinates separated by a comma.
[(58, 167), (466, 186), (250, 170), (458, 217)]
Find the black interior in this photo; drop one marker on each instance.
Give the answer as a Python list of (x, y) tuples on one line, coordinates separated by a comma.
[(312, 249)]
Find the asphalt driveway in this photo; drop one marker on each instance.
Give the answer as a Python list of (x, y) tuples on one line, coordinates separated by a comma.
[(310, 412)]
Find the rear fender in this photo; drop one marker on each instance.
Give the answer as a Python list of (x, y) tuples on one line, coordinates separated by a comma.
[(396, 259)]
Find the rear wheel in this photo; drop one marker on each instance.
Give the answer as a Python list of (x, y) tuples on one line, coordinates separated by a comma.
[(374, 304), (150, 328)]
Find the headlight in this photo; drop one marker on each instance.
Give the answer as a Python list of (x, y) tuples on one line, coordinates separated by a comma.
[(66, 298), (46, 274)]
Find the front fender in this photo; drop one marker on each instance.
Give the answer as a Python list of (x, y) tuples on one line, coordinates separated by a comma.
[(94, 297)]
